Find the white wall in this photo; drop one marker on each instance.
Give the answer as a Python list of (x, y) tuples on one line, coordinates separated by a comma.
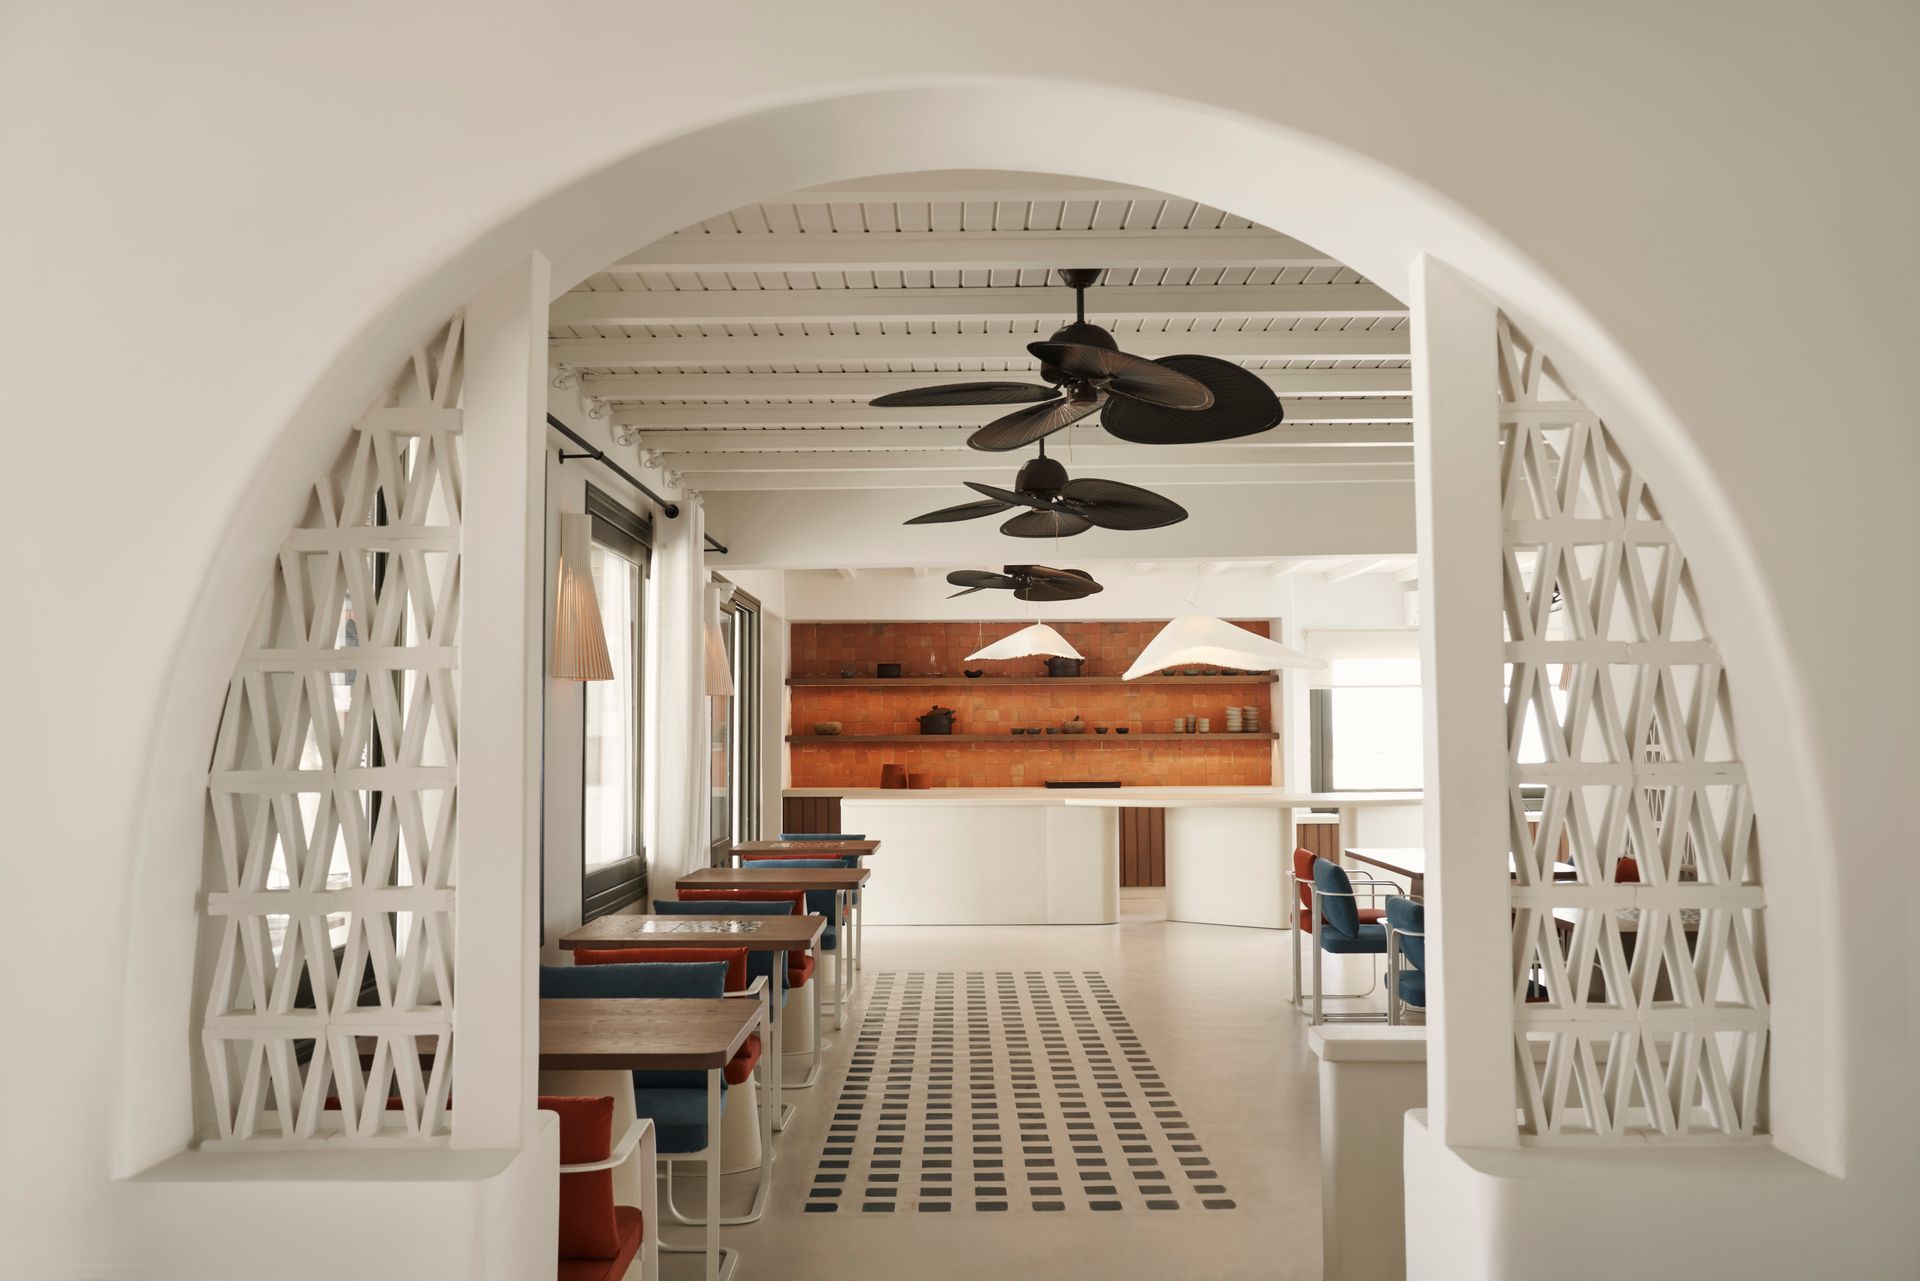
[(239, 219)]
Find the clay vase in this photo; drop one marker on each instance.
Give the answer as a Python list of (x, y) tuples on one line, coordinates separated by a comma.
[(919, 782), (892, 776)]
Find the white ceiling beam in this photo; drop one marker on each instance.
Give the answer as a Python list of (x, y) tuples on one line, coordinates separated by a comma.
[(1357, 440), (1104, 304), (1358, 566), (861, 349), (1411, 574), (1299, 382), (944, 489), (920, 571), (974, 250), (662, 419), (1292, 565), (1085, 458), (848, 574)]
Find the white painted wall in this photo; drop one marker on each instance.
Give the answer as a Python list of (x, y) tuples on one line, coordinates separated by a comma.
[(265, 263)]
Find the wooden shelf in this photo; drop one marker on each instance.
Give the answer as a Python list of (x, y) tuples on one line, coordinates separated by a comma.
[(1031, 740), (870, 682)]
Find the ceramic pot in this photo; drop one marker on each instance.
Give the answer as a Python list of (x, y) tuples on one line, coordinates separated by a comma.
[(920, 782), (827, 729), (887, 671), (892, 776), (1065, 666), (938, 720)]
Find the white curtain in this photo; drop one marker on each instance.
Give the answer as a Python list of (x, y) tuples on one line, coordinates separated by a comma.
[(677, 720)]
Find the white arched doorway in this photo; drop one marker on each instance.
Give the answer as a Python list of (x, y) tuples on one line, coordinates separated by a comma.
[(1376, 220)]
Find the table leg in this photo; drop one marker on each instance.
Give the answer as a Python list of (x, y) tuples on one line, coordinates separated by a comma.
[(713, 1174), (860, 931), (776, 1037), (841, 966)]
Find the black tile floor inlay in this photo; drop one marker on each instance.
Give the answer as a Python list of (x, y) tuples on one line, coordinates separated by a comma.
[(1003, 1091)]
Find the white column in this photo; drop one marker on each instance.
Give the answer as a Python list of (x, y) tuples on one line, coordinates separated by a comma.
[(1456, 452), (495, 1022)]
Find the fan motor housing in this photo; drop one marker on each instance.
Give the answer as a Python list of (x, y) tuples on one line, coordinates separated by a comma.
[(1044, 476)]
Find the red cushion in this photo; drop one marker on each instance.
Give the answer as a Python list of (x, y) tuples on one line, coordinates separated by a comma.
[(799, 968), (1626, 871), (633, 1231), (587, 1225), (741, 1065), (735, 957)]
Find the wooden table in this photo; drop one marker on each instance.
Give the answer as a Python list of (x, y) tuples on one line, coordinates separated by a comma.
[(803, 849), (1412, 864), (841, 880), (783, 934), (651, 1035)]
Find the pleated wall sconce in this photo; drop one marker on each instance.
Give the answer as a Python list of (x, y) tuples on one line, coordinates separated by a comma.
[(719, 669), (1037, 641), (1197, 638), (579, 637)]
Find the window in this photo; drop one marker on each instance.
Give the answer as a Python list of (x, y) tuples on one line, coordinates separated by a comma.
[(734, 730), (1365, 713), (613, 858)]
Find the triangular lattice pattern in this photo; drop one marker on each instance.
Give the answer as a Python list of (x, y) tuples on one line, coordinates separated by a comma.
[(333, 798), (1621, 765)]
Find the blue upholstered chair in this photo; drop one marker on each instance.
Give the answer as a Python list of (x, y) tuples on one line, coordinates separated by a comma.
[(823, 836), (759, 964), (1341, 931), (1406, 939), (675, 1101)]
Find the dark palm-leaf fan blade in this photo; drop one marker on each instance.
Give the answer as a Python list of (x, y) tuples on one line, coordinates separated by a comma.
[(967, 394), (1024, 426), (965, 511), (1009, 497), (1134, 377), (1112, 504), (1243, 405), (979, 579), (1046, 523)]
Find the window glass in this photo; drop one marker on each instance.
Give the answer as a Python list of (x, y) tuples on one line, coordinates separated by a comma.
[(611, 804)]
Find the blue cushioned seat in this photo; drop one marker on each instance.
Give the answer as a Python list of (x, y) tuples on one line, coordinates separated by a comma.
[(1366, 938), (1413, 988), (661, 1095), (1409, 917), (823, 836), (759, 964)]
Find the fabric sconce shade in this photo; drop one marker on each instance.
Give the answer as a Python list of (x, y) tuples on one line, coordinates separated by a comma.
[(1037, 641), (579, 637), (719, 668), (1197, 638)]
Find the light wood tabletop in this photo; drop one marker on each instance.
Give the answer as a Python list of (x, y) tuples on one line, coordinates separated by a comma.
[(800, 849), (643, 1034), (1412, 863), (778, 878), (755, 933)]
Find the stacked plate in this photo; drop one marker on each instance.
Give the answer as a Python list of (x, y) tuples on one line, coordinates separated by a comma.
[(1234, 716), (1249, 719)]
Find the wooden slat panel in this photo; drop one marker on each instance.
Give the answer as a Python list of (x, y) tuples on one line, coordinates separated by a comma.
[(810, 814), (1156, 847)]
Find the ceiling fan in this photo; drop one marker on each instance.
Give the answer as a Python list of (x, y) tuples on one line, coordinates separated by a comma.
[(1057, 507), (1176, 400), (1026, 582)]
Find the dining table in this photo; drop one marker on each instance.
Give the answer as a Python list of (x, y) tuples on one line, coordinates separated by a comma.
[(804, 849), (655, 1035), (1411, 864), (843, 881), (781, 934)]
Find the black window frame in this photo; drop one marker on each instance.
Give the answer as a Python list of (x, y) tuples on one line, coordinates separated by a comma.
[(745, 715), (617, 885)]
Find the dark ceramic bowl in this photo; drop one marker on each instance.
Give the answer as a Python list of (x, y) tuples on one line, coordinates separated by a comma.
[(1121, 730), (1099, 729), (974, 676)]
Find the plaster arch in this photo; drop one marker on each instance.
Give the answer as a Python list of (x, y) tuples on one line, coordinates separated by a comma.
[(1370, 216)]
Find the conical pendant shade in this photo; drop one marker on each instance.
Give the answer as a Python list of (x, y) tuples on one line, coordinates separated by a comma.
[(719, 667), (1197, 638), (579, 637), (1037, 641)]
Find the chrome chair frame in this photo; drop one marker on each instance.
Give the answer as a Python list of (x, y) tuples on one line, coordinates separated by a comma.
[(1374, 884)]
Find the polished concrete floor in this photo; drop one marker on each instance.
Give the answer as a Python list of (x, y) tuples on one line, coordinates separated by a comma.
[(1171, 1041)]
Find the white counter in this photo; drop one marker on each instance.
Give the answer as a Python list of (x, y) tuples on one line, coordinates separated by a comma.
[(1050, 856)]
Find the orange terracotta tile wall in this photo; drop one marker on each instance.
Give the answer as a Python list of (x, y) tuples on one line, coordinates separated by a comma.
[(940, 649)]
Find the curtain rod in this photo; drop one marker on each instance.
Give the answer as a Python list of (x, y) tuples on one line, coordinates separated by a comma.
[(669, 510)]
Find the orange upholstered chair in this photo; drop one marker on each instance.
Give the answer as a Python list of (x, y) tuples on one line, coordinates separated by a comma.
[(598, 1239)]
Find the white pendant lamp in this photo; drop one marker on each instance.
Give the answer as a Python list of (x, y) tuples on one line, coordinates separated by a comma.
[(579, 637), (719, 669), (1037, 641), (1198, 638)]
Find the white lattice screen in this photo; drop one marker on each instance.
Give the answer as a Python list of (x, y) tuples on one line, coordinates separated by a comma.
[(1641, 1005), (332, 793)]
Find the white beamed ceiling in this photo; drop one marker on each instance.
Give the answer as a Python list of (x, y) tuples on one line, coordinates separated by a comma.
[(745, 348)]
